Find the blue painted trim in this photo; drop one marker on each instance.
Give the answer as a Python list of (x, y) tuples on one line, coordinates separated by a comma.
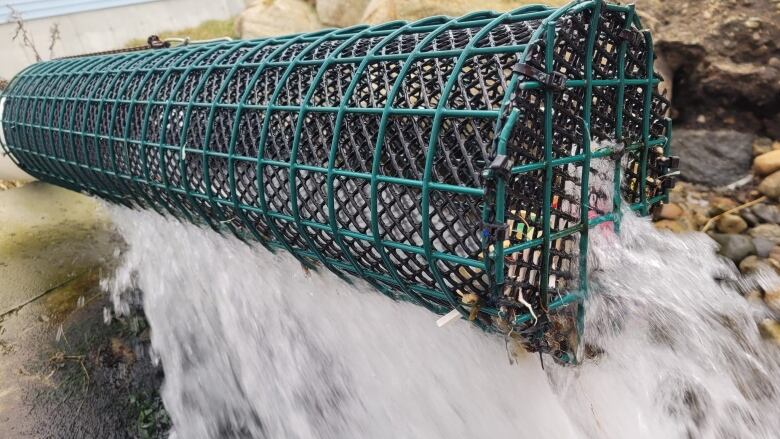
[(35, 9)]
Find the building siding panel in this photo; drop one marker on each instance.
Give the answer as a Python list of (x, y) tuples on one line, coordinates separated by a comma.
[(34, 9)]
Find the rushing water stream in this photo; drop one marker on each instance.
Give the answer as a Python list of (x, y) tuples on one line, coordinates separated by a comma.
[(253, 347)]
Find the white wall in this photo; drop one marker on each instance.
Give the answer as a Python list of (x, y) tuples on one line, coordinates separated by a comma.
[(103, 29), (107, 28)]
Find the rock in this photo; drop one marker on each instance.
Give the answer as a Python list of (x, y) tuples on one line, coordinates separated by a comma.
[(767, 163), (772, 300), (771, 186), (762, 145), (754, 296), (380, 11), (751, 264), (770, 232), (671, 225), (714, 158), (265, 18), (763, 246), (766, 213), (731, 224), (719, 205), (774, 254), (699, 219), (770, 330), (720, 61), (341, 13), (670, 211), (734, 247), (749, 217)]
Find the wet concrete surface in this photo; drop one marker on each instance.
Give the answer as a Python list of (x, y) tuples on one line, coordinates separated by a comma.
[(64, 371), (48, 236)]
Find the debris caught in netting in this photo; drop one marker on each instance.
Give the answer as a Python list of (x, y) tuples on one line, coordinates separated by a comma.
[(445, 161)]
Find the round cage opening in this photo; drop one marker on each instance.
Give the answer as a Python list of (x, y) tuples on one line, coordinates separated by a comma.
[(445, 161)]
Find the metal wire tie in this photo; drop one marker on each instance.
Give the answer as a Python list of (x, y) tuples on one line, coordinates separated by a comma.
[(554, 80)]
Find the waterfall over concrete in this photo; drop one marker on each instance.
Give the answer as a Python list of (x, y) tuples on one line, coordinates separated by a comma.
[(254, 347)]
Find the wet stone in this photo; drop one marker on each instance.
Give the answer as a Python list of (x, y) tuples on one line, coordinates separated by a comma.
[(752, 264), (767, 163), (671, 225), (771, 186), (754, 296), (731, 224), (770, 232), (775, 253), (762, 145), (772, 300), (749, 217), (734, 247), (770, 330), (718, 205), (766, 213), (713, 157), (670, 211), (763, 246)]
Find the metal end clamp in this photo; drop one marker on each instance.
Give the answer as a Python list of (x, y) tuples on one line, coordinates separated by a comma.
[(553, 80)]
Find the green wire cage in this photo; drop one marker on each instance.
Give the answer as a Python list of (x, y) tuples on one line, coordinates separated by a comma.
[(446, 161)]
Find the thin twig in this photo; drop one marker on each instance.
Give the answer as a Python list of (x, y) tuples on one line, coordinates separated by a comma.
[(712, 220), (21, 33), (54, 36), (6, 313), (26, 39)]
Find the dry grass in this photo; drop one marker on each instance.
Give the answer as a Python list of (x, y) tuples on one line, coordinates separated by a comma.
[(207, 30)]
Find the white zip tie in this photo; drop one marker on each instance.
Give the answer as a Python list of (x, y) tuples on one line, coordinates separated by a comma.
[(447, 318), (521, 299)]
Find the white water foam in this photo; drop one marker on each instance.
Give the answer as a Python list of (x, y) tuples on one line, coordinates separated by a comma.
[(254, 348), (676, 348)]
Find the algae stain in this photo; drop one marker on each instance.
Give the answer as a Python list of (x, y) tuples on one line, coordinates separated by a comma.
[(62, 301), (48, 237)]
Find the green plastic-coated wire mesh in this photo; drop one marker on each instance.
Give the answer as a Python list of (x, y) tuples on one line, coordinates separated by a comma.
[(445, 161)]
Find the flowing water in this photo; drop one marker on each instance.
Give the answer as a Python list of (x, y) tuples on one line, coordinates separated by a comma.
[(253, 347)]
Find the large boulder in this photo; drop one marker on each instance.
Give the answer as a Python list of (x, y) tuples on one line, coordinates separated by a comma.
[(341, 13), (380, 11), (713, 157), (725, 60), (267, 18)]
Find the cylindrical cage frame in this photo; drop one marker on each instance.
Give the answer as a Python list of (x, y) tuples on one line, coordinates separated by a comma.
[(445, 161)]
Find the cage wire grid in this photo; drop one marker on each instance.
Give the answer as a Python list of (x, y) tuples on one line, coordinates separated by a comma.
[(445, 161)]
